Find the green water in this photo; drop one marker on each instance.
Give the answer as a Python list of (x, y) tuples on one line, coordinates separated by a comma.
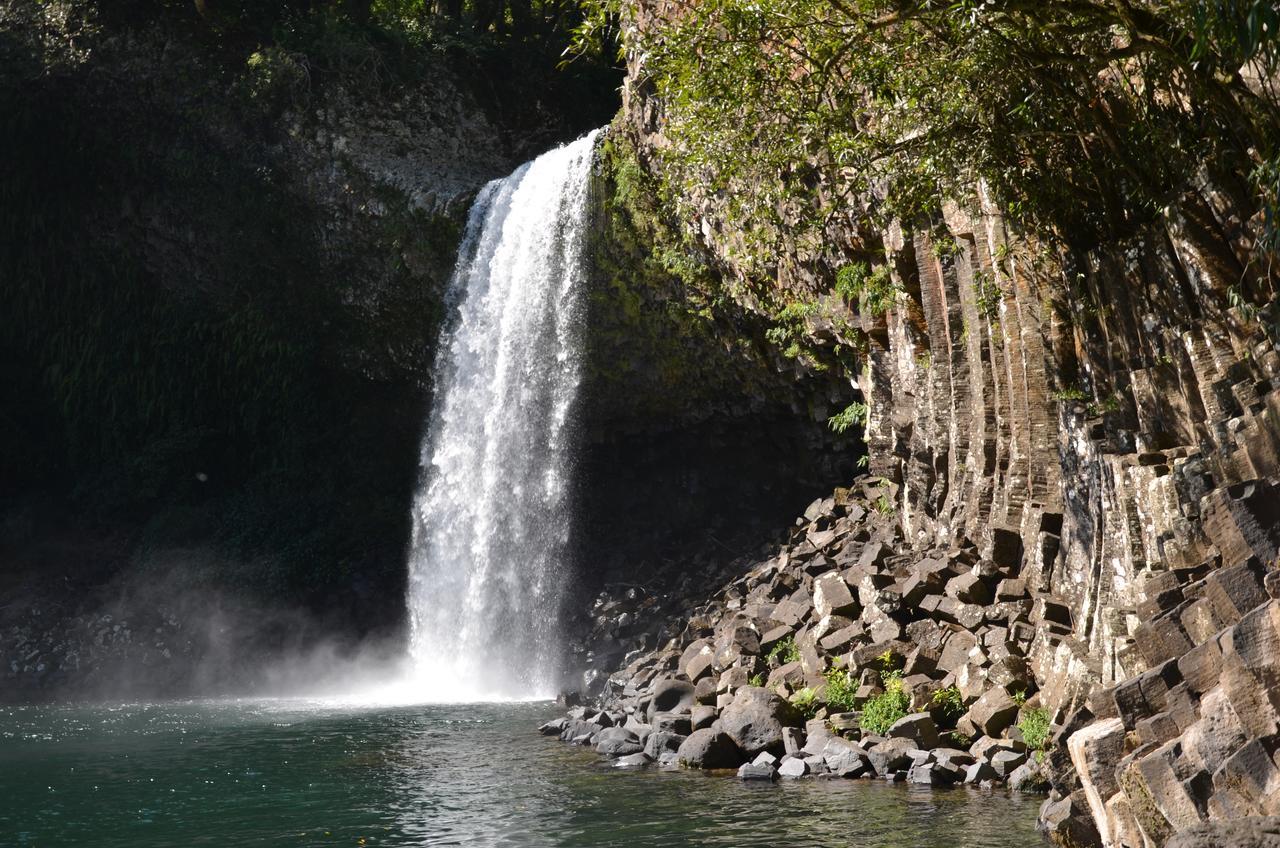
[(295, 773)]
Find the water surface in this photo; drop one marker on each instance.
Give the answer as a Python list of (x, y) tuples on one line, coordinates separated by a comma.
[(293, 773)]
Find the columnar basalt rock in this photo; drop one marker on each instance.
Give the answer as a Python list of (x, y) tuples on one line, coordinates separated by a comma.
[(780, 672), (1093, 432)]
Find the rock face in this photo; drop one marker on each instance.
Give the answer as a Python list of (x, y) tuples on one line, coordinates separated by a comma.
[(1099, 428)]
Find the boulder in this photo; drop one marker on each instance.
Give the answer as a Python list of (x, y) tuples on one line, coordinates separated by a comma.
[(1004, 762), (845, 759), (993, 712), (632, 761), (554, 727), (1028, 777), (617, 742), (661, 742), (980, 772), (793, 767), (709, 749), (891, 755), (702, 716), (758, 771), (932, 774), (671, 696), (919, 728), (1252, 832), (672, 723), (755, 720), (832, 596)]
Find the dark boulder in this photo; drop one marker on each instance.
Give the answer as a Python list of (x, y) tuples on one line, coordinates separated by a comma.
[(755, 720), (709, 749)]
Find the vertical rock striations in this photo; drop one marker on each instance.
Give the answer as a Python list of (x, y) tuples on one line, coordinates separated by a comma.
[(1103, 423)]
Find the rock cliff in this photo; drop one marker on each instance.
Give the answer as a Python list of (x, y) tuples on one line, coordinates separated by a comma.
[(1102, 418)]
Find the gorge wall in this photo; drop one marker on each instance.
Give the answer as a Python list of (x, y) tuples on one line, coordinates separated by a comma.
[(226, 241), (1105, 417)]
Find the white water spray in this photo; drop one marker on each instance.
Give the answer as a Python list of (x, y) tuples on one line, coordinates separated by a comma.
[(488, 570)]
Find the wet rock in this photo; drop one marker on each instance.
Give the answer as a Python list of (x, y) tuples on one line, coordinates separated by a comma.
[(1028, 777), (845, 759), (661, 742), (755, 720), (891, 755), (709, 749), (758, 771), (617, 742)]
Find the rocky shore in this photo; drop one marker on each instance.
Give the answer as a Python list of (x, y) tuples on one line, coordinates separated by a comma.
[(837, 657)]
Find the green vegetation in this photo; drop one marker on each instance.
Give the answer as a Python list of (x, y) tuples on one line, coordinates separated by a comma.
[(784, 651), (880, 712), (789, 330), (874, 290), (1071, 393), (756, 679), (775, 96), (1035, 726), (855, 413), (949, 702), (806, 701), (988, 295), (841, 688)]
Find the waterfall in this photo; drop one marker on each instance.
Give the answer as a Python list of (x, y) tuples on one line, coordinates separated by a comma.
[(491, 522)]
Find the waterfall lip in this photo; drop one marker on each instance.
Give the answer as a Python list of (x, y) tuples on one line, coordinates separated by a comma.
[(489, 561)]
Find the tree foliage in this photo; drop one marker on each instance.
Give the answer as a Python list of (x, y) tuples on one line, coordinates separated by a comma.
[(1081, 116)]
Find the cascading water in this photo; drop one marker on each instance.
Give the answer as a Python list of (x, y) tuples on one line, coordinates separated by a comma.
[(488, 571)]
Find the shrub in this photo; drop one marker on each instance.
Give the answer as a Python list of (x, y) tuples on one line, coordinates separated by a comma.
[(1034, 724), (881, 711), (841, 688)]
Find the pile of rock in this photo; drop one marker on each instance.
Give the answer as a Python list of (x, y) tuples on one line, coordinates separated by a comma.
[(771, 676)]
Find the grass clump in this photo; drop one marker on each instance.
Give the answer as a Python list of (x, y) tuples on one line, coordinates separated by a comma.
[(806, 701)]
